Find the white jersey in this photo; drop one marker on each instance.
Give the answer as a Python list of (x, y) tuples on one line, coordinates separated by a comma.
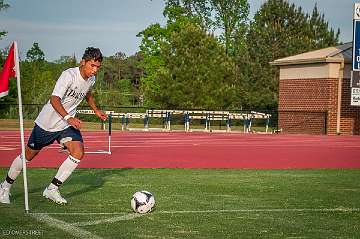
[(72, 89)]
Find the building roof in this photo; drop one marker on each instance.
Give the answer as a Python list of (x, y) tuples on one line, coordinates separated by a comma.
[(341, 53)]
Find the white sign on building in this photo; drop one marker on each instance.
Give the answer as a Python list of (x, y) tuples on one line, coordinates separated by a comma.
[(355, 74)]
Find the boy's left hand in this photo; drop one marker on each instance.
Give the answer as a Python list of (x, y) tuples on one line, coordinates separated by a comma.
[(101, 115)]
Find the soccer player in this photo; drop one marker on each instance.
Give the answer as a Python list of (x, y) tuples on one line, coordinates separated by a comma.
[(57, 121)]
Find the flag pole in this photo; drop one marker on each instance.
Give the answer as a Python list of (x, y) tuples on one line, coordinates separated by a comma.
[(21, 119)]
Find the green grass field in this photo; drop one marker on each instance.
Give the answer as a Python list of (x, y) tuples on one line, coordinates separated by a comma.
[(189, 204)]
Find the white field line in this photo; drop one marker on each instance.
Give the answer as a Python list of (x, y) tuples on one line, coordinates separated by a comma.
[(266, 210), (75, 231), (214, 211), (70, 229), (109, 220)]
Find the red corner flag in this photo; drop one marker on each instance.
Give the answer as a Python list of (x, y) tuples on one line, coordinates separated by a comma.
[(11, 68), (7, 72)]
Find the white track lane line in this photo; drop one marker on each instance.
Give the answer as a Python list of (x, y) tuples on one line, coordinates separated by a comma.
[(2, 148), (66, 227)]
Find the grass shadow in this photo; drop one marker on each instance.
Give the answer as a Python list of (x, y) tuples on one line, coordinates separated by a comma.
[(90, 181), (80, 182)]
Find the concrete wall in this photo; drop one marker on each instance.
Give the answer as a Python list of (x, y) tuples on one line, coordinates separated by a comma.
[(310, 71)]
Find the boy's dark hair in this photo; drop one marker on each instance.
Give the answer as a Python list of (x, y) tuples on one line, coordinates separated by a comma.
[(92, 53)]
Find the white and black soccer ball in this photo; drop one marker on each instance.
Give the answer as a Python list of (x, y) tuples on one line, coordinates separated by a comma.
[(143, 202)]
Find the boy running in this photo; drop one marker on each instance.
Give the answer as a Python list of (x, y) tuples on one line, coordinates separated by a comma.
[(57, 121)]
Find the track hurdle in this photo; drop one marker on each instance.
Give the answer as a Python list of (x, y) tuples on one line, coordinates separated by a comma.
[(258, 115), (195, 115), (218, 116), (240, 116), (164, 114), (125, 120), (208, 117), (90, 113)]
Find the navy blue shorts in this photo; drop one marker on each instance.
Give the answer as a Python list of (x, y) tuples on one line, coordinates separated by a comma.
[(40, 138)]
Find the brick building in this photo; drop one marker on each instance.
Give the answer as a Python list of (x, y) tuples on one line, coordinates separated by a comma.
[(314, 92)]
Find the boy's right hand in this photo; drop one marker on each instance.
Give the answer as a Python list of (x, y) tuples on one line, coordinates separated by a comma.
[(74, 122)]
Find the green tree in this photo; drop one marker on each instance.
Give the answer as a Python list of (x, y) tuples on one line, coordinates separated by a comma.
[(320, 35), (114, 68), (118, 80), (160, 45), (279, 30), (3, 6), (35, 53), (112, 84), (36, 58), (231, 17), (198, 72), (135, 71), (227, 17), (153, 38), (67, 60), (153, 63)]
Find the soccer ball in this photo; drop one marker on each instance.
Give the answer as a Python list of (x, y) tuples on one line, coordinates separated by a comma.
[(142, 202)]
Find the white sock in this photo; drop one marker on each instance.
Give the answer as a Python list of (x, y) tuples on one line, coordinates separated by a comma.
[(14, 171), (65, 170)]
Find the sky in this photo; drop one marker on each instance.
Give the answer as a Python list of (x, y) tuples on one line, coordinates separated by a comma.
[(67, 27)]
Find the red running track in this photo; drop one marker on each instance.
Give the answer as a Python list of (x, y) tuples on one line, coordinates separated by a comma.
[(200, 150)]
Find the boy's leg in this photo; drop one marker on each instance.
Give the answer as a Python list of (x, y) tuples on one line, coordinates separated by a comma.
[(75, 147), (38, 139), (13, 173)]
